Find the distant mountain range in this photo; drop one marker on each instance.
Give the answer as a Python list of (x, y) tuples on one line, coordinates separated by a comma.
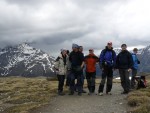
[(24, 60), (144, 57)]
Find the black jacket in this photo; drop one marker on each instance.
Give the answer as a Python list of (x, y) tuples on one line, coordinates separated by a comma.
[(76, 58), (124, 60)]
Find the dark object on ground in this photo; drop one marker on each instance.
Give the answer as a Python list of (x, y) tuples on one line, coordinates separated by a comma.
[(141, 82)]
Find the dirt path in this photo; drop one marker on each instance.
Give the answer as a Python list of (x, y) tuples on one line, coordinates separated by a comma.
[(115, 103)]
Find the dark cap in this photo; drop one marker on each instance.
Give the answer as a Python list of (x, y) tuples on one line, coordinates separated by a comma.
[(75, 46), (123, 45)]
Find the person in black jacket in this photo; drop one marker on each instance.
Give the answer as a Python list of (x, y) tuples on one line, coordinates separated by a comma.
[(77, 62), (124, 63)]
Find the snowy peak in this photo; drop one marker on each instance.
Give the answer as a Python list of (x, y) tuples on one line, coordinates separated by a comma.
[(24, 60)]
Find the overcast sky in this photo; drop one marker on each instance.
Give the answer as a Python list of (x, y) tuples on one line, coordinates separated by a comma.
[(54, 24)]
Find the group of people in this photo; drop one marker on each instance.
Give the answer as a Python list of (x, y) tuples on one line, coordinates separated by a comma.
[(74, 65)]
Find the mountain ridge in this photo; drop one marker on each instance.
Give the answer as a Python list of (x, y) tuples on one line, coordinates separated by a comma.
[(24, 60)]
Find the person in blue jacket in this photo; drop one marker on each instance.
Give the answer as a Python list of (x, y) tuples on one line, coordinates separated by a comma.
[(135, 66), (107, 63)]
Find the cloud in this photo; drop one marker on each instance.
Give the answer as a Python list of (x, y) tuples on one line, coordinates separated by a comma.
[(53, 24)]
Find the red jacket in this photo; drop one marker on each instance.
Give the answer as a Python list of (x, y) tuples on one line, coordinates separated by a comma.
[(90, 61)]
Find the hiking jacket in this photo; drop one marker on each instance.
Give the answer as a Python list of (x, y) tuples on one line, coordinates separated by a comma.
[(90, 61), (135, 61), (76, 59), (124, 60), (107, 57), (61, 64)]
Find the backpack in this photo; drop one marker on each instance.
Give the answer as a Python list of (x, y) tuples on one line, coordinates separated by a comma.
[(141, 82)]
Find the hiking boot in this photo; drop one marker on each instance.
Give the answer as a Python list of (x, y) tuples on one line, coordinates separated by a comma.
[(100, 94), (108, 93), (61, 93), (80, 94), (125, 92), (89, 93), (83, 91), (71, 93)]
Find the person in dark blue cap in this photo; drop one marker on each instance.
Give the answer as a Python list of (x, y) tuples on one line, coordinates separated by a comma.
[(77, 62)]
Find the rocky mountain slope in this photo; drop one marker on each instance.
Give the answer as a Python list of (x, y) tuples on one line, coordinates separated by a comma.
[(24, 60)]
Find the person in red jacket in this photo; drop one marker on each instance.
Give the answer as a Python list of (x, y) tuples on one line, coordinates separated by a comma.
[(90, 61)]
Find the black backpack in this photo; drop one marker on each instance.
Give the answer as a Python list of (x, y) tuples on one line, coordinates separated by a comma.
[(141, 82)]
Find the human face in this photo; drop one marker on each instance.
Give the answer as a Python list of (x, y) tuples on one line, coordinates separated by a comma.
[(124, 47), (81, 49), (64, 52), (109, 46), (75, 49), (91, 51), (135, 52)]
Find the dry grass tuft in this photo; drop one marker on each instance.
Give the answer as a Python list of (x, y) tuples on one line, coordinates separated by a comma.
[(19, 94), (139, 100)]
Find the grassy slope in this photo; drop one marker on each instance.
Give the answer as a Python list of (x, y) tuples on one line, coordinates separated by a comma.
[(18, 94), (139, 100)]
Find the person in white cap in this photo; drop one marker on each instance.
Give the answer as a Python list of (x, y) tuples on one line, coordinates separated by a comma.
[(61, 68)]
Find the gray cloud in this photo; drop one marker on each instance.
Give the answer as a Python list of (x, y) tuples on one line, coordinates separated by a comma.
[(53, 24)]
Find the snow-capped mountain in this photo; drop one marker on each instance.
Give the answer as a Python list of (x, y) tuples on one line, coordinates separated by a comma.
[(24, 60), (144, 58)]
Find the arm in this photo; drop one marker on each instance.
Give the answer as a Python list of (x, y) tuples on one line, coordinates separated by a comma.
[(114, 59), (130, 62), (82, 59), (82, 65), (101, 58), (117, 62), (56, 64)]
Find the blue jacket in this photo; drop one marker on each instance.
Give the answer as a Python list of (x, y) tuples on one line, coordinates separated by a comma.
[(107, 57), (135, 61)]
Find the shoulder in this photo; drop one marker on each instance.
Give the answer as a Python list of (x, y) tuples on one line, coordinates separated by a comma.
[(129, 53), (113, 51), (103, 51), (119, 54)]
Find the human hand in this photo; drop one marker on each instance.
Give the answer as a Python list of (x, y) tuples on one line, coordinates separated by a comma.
[(129, 70)]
